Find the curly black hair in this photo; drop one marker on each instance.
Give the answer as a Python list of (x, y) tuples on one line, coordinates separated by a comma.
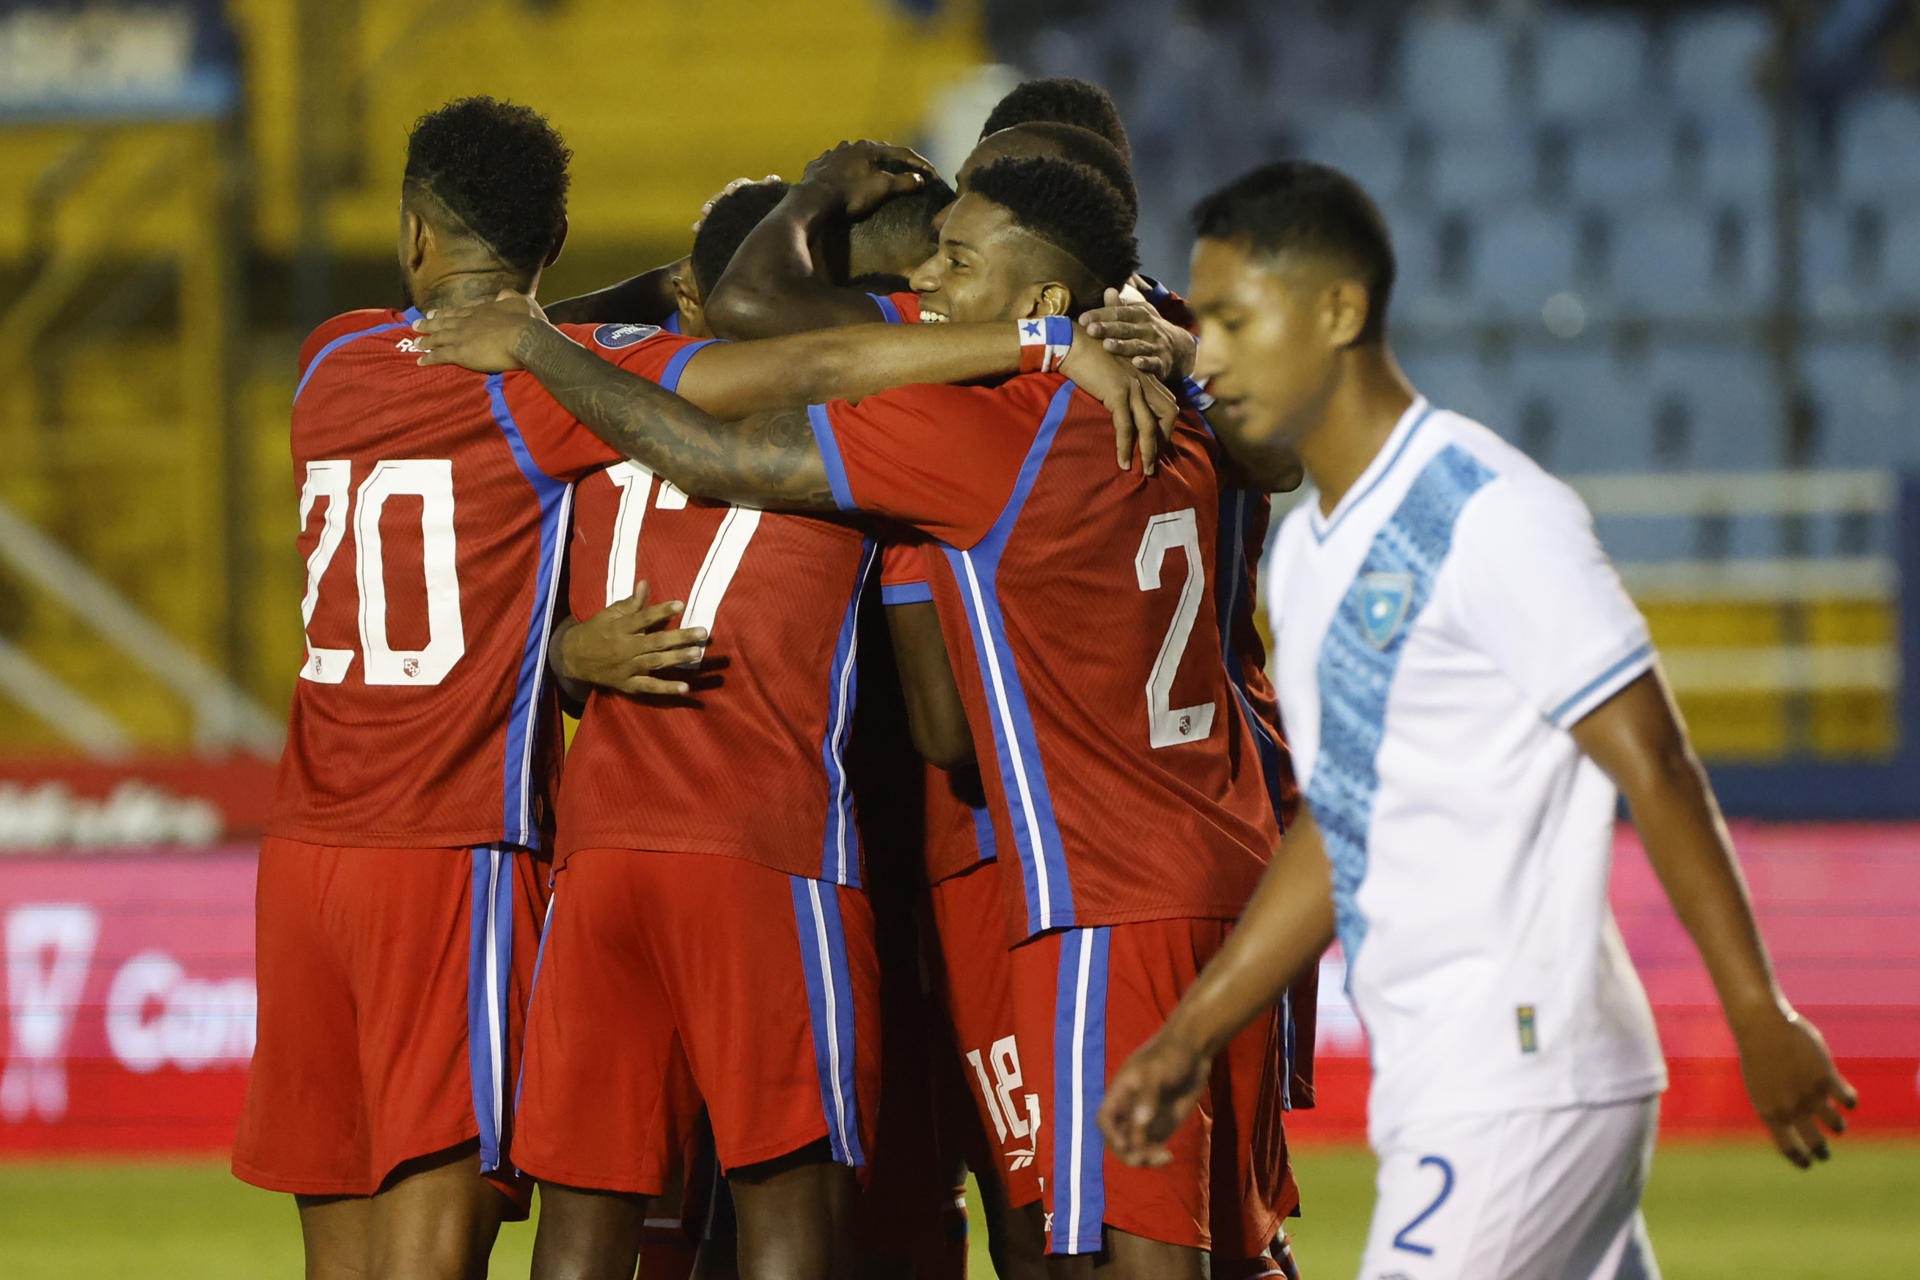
[(1064, 100), (1313, 208), (732, 218), (1083, 146), (905, 221), (1069, 206), (500, 168)]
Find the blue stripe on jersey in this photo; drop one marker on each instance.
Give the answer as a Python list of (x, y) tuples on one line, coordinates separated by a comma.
[(672, 323), (1023, 777), (1238, 508), (670, 376), (840, 853), (823, 957), (830, 454), (888, 311), (1356, 669), (523, 721), (489, 961), (407, 317), (1348, 504), (533, 988), (906, 593), (1639, 656), (983, 832), (1079, 1087)]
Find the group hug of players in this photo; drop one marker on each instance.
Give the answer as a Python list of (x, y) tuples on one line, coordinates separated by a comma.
[(822, 906)]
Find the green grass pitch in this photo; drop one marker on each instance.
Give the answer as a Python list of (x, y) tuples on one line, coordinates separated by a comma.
[(1717, 1212)]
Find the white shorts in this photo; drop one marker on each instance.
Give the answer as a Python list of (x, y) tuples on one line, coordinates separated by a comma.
[(1525, 1195)]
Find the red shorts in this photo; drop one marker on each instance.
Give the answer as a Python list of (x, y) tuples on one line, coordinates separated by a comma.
[(973, 978), (667, 979), (1085, 999), (392, 988)]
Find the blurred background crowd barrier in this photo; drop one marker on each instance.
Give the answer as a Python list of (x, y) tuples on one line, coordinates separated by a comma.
[(1671, 249)]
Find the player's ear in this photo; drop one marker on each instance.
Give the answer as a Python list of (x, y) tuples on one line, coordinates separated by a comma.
[(1055, 300), (416, 239), (686, 300), (1347, 306), (559, 239)]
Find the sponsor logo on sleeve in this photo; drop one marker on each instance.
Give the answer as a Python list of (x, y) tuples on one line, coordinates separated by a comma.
[(615, 336)]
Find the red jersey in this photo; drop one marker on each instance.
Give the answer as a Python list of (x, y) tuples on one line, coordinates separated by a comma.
[(1119, 763), (751, 763), (433, 541), (957, 831)]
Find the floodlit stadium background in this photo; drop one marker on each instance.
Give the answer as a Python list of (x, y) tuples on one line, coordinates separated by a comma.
[(1672, 250)]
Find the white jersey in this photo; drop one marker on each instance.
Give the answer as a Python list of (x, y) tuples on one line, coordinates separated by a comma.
[(1436, 636)]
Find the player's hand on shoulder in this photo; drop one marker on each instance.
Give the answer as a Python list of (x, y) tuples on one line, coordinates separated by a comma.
[(621, 647), (1135, 331), (1149, 1097), (1793, 1082), (863, 174), (1144, 410), (484, 336)]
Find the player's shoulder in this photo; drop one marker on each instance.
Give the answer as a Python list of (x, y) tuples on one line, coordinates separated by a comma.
[(1515, 496), (346, 327), (604, 338)]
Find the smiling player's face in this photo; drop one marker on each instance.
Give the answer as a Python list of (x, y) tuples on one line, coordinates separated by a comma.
[(1269, 346), (983, 269)]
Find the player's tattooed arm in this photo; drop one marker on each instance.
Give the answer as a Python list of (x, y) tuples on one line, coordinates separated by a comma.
[(1287, 924), (766, 459), (1638, 738), (780, 279)]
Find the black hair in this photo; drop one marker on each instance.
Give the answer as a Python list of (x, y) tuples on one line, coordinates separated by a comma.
[(1310, 208), (1065, 100), (500, 168), (881, 282), (732, 218), (1084, 146), (910, 213), (1069, 206)]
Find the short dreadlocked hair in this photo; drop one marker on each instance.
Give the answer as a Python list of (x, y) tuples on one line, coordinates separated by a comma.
[(1300, 206), (732, 218), (1064, 100), (1072, 208), (500, 168)]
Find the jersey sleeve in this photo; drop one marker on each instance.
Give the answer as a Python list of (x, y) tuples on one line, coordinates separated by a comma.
[(1535, 592), (556, 441), (898, 308), (903, 573), (943, 460)]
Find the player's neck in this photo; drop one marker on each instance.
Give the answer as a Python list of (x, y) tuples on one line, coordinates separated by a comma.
[(464, 288), (1367, 403)]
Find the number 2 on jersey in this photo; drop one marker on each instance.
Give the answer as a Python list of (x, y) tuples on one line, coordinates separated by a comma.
[(1168, 725), (431, 481), (710, 585)]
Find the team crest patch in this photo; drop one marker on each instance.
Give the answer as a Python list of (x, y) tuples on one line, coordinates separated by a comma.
[(615, 336), (1384, 598)]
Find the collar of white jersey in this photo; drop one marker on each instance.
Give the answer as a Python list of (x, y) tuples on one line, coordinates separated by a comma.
[(1382, 465)]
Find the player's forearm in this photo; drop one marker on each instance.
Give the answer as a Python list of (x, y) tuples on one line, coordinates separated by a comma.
[(776, 283), (1287, 924), (767, 460), (1687, 842), (864, 360), (643, 299), (572, 691), (1639, 740)]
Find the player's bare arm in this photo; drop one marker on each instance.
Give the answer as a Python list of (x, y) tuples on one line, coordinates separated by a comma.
[(935, 715), (1287, 924), (778, 281), (643, 299), (621, 647), (730, 380), (1638, 738)]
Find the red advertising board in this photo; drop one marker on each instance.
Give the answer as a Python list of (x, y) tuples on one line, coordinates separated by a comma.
[(130, 1000)]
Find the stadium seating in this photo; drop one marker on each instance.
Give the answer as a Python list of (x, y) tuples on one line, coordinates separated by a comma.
[(1456, 71), (1590, 68)]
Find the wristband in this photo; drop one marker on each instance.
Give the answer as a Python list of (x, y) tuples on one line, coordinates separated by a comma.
[(1044, 343)]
